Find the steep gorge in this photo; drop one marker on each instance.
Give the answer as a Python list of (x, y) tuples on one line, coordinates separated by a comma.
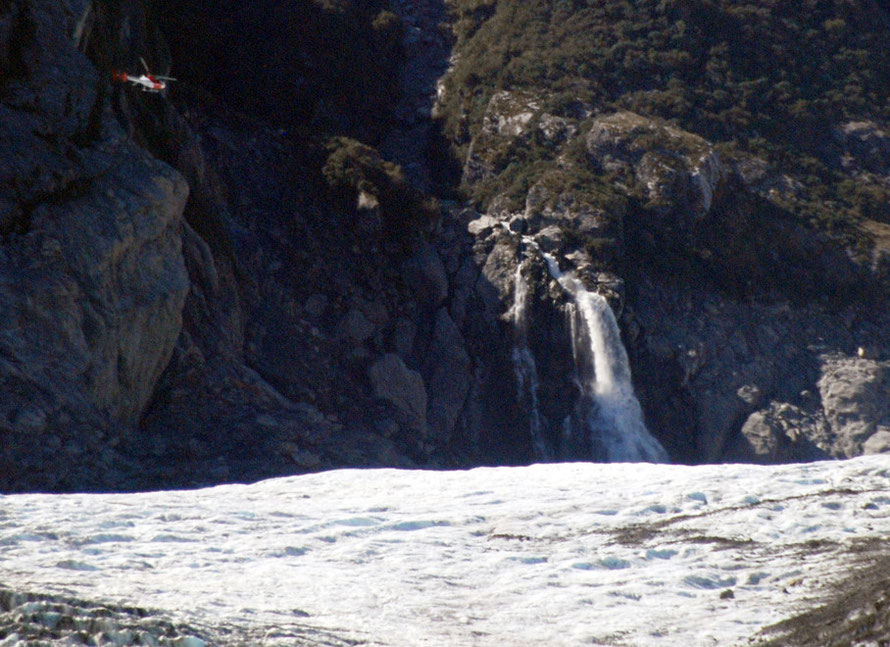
[(288, 299)]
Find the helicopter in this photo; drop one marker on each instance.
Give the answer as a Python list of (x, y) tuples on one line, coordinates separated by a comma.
[(148, 81)]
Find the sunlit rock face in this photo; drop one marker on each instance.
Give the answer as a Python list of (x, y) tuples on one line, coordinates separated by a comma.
[(742, 326), (569, 554)]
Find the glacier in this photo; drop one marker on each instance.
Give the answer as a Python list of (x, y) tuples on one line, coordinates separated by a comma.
[(550, 554)]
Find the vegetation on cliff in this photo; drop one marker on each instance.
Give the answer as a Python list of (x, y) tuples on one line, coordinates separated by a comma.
[(325, 73), (360, 179), (768, 80)]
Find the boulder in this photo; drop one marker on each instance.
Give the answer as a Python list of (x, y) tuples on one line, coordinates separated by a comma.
[(864, 146), (557, 129), (482, 226), (546, 207), (670, 166), (855, 395), (784, 433), (403, 388), (495, 283), (354, 327), (878, 442)]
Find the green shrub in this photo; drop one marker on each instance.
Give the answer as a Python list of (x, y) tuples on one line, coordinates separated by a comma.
[(352, 168), (769, 77)]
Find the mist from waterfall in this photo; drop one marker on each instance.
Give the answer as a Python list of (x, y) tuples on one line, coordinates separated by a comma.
[(524, 366), (609, 409)]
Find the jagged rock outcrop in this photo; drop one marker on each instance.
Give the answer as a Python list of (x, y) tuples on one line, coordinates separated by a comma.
[(193, 295), (720, 377), (448, 371), (784, 433), (848, 417), (855, 395), (93, 279), (672, 169)]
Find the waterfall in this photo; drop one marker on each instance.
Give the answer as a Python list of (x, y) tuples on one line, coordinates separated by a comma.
[(609, 410), (524, 366)]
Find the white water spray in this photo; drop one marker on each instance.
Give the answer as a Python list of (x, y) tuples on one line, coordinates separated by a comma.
[(524, 366), (612, 412)]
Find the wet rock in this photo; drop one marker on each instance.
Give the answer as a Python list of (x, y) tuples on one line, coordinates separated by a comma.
[(496, 280), (518, 225)]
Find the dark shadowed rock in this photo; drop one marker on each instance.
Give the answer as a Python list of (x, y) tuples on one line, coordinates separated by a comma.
[(425, 274), (448, 372), (354, 327), (865, 146), (403, 388), (92, 279)]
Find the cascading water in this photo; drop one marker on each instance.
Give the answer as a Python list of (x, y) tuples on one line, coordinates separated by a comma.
[(524, 366), (609, 410)]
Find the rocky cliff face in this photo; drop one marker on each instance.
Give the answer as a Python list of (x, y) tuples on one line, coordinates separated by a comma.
[(93, 280), (198, 290), (749, 333)]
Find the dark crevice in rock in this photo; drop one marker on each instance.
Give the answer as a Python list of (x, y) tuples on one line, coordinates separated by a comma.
[(22, 29), (91, 132), (71, 190)]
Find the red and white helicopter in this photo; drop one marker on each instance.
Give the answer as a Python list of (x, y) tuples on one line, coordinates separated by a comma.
[(148, 81)]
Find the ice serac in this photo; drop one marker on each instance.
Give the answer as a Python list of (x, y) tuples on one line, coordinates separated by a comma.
[(608, 409)]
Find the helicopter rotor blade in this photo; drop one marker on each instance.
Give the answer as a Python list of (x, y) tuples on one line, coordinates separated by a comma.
[(145, 65)]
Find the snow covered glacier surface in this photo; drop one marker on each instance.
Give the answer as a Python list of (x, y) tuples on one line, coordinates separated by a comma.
[(557, 554)]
